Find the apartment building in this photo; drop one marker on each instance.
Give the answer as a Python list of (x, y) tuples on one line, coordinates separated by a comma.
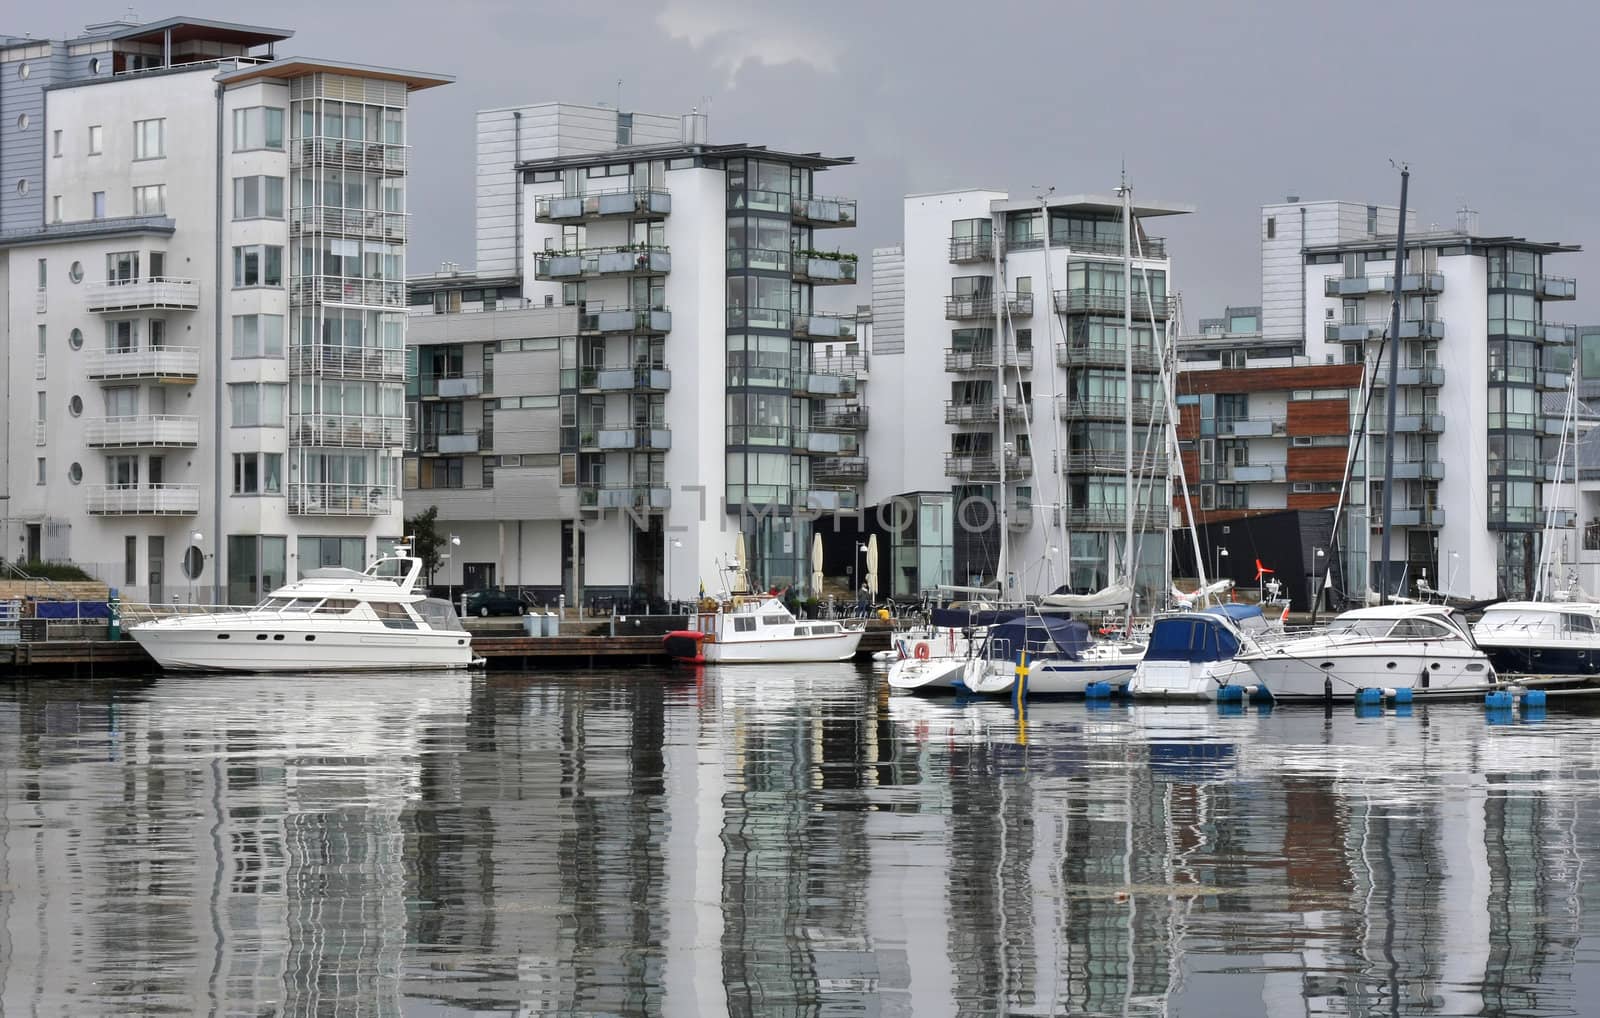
[(203, 247), (656, 371), (1006, 372)]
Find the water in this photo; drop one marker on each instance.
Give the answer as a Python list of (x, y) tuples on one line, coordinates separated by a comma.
[(756, 843)]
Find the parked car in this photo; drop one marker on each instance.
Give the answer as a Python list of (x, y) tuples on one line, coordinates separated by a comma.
[(484, 603)]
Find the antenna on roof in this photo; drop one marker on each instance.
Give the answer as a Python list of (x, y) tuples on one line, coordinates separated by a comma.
[(619, 95)]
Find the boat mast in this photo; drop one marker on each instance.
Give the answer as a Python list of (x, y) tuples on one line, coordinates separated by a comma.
[(1127, 367), (1060, 457), (999, 296), (1392, 396), (1547, 539)]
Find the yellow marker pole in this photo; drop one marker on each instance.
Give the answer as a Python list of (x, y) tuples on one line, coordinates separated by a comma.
[(1020, 691)]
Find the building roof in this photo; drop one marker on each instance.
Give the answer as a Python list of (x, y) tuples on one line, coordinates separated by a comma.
[(815, 160), (1443, 238), (1095, 203), (430, 282), (56, 233), (185, 29), (294, 67)]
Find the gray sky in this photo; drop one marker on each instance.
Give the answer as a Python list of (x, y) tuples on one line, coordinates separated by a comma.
[(1223, 105)]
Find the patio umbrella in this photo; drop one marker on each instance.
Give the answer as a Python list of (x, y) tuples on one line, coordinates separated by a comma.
[(816, 565), (872, 567)]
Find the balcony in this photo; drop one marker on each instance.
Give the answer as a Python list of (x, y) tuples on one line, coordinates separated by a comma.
[(1251, 427), (982, 411), (986, 358), (818, 212), (603, 262), (971, 249), (381, 294), (828, 498), (1359, 286), (598, 205), (1377, 328), (158, 293), (636, 321), (986, 466), (142, 431), (1431, 376), (1154, 248), (1115, 517), (600, 497), (1252, 473), (143, 500), (828, 386), (463, 387), (346, 431), (354, 155), (823, 270), (823, 326), (453, 443), (826, 443), (635, 439), (1557, 333), (348, 362), (849, 419), (840, 469), (1110, 410), (1114, 461), (313, 499), (1019, 515), (1552, 381), (982, 305), (180, 364), (1086, 355), (1109, 302), (1414, 470), (640, 377), (853, 364), (1556, 288), (1411, 516), (1422, 424), (368, 223), (743, 317)]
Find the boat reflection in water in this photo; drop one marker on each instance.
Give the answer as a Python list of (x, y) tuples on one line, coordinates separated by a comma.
[(774, 840)]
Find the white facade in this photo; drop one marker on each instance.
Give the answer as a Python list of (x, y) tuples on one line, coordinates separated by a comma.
[(1287, 229), (204, 341)]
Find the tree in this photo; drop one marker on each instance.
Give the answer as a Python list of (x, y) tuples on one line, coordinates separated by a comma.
[(426, 544)]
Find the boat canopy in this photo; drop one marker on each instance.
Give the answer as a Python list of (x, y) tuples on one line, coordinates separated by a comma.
[(335, 573), (439, 614), (1195, 638), (961, 618), (1118, 595), (1038, 634)]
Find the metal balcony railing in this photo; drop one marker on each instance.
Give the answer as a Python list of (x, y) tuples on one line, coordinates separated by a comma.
[(596, 262), (986, 466), (823, 270), (142, 430), (1110, 302), (987, 358), (824, 326), (347, 431), (820, 211), (317, 499), (348, 222), (981, 411), (580, 208), (453, 443), (142, 500), (348, 361), (599, 496), (166, 363), (1111, 409), (971, 249), (624, 319), (1096, 355), (153, 293), (360, 155), (375, 293), (982, 305)]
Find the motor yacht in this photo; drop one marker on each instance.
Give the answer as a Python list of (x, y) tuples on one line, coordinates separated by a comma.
[(1424, 647), (1192, 654), (330, 620), (1541, 637), (761, 631)]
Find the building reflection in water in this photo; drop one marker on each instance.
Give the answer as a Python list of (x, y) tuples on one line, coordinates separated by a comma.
[(752, 843)]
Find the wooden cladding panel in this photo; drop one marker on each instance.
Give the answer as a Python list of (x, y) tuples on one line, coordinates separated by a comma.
[(1319, 417), (1319, 463), (1189, 421), (1308, 376), (1315, 500)]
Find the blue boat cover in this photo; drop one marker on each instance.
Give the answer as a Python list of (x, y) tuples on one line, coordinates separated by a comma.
[(1047, 635), (71, 610), (1237, 612), (1193, 638), (961, 618)]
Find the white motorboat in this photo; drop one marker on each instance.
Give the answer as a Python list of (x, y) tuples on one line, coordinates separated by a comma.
[(1192, 654), (1541, 637), (1424, 647), (761, 631), (934, 657), (331, 620)]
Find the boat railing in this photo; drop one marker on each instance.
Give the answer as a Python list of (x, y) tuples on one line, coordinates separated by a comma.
[(134, 612)]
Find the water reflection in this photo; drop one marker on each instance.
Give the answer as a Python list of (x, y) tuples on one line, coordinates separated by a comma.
[(756, 842)]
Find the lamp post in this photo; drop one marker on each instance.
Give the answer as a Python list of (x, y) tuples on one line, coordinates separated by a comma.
[(1216, 561), (667, 593), (861, 569), (195, 537), (455, 542)]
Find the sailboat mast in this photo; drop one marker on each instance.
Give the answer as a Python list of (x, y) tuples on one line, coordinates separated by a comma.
[(1392, 397), (1127, 367), (1060, 457), (999, 295)]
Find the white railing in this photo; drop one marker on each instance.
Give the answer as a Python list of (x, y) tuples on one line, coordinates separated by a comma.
[(385, 293), (318, 499), (143, 500), (335, 151), (347, 431), (153, 292), (41, 365), (364, 222), (181, 361), (41, 300), (142, 429), (357, 362)]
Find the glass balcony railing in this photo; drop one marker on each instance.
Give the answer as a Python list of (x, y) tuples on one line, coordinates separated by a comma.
[(982, 305), (599, 262), (597, 205)]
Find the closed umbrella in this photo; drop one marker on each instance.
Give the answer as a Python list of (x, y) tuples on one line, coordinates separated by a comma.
[(816, 565), (741, 572), (872, 567)]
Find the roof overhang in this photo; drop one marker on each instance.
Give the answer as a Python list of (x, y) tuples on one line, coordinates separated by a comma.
[(814, 160), (1094, 203), (1386, 243), (296, 67), (200, 29), (89, 229)]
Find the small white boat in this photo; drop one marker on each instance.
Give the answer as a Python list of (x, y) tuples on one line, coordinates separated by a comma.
[(1058, 654), (1192, 654), (1423, 647), (933, 658), (761, 631), (332, 620)]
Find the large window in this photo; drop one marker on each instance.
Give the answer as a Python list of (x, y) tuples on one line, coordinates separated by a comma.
[(256, 404), (258, 197), (257, 127), (150, 200), (149, 139), (258, 473), (255, 567), (258, 265), (257, 336), (327, 552)]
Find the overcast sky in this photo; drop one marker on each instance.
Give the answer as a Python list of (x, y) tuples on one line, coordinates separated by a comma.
[(1221, 105)]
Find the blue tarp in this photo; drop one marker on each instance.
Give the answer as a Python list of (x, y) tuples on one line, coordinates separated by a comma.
[(1237, 612), (1048, 634), (961, 618), (1193, 638), (70, 610)]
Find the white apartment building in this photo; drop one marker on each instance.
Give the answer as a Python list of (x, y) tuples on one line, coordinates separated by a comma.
[(203, 254), (602, 416), (952, 361)]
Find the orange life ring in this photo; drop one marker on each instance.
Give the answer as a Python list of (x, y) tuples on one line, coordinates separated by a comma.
[(922, 652)]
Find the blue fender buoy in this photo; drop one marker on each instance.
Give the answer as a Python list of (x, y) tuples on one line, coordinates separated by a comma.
[(1402, 694), (1533, 698), (1498, 699), (1369, 695), (1097, 690), (1230, 694)]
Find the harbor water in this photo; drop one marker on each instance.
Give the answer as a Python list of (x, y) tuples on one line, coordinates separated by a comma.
[(782, 841)]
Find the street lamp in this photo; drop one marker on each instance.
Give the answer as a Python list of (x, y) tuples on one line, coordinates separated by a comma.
[(861, 568), (1216, 561), (195, 537), (455, 542), (674, 543)]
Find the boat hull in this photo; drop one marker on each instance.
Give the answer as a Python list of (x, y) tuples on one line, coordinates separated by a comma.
[(1185, 680), (1535, 660), (219, 648), (790, 650), (1337, 675), (1049, 678), (928, 675)]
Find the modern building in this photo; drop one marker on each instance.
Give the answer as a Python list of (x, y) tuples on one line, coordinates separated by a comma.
[(1006, 374), (203, 255), (656, 377)]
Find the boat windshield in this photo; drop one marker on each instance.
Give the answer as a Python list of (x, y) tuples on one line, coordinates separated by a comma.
[(1371, 628), (388, 569), (1521, 623), (439, 614)]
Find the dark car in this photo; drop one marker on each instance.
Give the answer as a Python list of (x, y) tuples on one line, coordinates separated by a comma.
[(484, 603)]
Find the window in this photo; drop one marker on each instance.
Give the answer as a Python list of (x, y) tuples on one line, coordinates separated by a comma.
[(258, 197), (96, 137), (99, 200), (256, 404), (1272, 227), (257, 336), (149, 139), (257, 473), (130, 560), (122, 266), (55, 144), (44, 273), (40, 479), (257, 127), (149, 200), (258, 265), (624, 128), (323, 552), (55, 208)]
